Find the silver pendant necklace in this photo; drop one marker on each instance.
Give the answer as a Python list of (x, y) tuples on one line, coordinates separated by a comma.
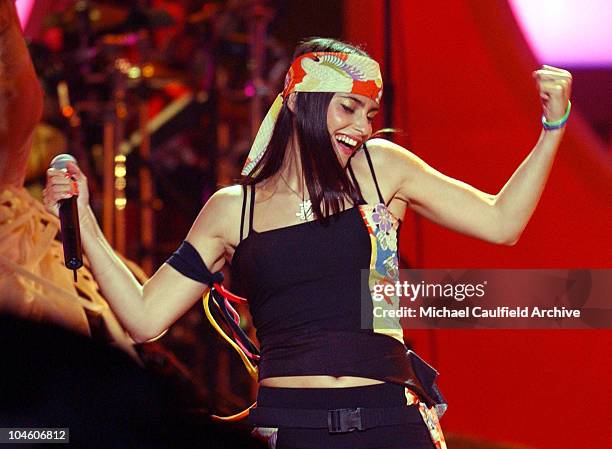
[(305, 213), (305, 206)]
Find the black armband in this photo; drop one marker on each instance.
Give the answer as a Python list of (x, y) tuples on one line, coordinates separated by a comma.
[(187, 261)]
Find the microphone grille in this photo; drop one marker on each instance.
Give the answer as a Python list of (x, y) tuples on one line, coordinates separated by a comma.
[(60, 161)]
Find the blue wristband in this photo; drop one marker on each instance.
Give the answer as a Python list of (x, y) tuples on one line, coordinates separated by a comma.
[(557, 124)]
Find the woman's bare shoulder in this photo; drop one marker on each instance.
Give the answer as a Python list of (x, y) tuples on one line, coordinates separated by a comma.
[(226, 199), (220, 213), (392, 157), (383, 150)]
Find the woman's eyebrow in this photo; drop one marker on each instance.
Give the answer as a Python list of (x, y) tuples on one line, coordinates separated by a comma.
[(358, 101)]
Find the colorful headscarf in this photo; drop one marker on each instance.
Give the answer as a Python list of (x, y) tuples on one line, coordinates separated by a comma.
[(319, 72)]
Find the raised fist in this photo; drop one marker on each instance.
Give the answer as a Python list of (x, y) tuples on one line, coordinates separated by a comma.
[(554, 86)]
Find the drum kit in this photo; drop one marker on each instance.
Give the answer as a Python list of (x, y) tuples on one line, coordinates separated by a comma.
[(123, 81), (107, 64)]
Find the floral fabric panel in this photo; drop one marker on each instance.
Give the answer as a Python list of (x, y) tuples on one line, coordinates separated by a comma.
[(430, 418), (383, 228)]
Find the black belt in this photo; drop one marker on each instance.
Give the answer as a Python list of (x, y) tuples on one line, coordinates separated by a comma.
[(336, 421)]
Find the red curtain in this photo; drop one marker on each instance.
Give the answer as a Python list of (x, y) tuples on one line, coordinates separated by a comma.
[(468, 106)]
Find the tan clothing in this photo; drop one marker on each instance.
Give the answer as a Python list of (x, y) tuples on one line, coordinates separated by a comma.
[(34, 284)]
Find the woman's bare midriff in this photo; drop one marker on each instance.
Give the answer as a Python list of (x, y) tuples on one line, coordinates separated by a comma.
[(317, 382)]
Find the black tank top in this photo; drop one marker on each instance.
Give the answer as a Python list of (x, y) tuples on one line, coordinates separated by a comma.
[(304, 285)]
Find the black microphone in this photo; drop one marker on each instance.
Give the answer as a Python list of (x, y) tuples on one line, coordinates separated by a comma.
[(69, 220)]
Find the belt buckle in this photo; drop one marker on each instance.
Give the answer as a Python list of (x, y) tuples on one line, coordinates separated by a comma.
[(344, 420)]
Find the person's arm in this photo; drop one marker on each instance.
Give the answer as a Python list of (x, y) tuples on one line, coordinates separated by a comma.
[(21, 98), (499, 218), (146, 311)]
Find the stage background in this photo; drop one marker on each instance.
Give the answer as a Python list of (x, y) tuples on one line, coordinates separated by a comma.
[(468, 106), (465, 98)]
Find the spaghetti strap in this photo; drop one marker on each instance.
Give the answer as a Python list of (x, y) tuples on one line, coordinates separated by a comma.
[(354, 179), (244, 195), (367, 153), (251, 208)]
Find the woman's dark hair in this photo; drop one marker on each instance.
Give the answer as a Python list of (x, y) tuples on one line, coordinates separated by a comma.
[(327, 181)]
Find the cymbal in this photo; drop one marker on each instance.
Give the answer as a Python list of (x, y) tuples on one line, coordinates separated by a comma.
[(122, 39), (98, 16), (206, 14), (141, 19), (104, 18)]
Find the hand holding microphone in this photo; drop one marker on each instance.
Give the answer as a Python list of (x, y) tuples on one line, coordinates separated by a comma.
[(65, 194)]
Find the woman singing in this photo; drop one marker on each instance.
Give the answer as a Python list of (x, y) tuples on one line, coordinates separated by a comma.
[(319, 201)]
